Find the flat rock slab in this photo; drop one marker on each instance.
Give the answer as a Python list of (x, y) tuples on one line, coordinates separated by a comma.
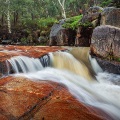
[(31, 51), (24, 99)]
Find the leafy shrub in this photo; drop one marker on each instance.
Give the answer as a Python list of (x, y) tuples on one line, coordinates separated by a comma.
[(73, 22), (106, 3), (41, 24)]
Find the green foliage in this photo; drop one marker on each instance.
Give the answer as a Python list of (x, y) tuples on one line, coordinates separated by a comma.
[(42, 24), (86, 24), (23, 40), (118, 59), (73, 22), (46, 22), (105, 3)]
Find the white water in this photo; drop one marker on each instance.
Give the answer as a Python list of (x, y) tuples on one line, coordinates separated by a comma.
[(66, 61), (99, 94), (24, 63)]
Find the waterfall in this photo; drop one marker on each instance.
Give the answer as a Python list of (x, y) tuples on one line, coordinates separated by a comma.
[(64, 60), (100, 95), (25, 64), (76, 70)]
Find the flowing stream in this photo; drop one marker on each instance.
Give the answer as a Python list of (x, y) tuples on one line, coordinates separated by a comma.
[(80, 73)]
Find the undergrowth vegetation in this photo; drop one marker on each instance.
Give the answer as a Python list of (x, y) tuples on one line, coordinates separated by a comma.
[(75, 22)]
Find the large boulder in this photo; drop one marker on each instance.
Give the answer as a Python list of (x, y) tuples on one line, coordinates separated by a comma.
[(106, 41), (106, 46), (111, 16), (61, 36), (57, 34), (95, 9), (93, 15), (109, 66)]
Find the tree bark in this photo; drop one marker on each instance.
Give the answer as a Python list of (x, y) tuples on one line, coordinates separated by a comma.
[(8, 16), (62, 6)]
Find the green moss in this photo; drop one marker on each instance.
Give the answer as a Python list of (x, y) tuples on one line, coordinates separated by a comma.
[(72, 22), (117, 59)]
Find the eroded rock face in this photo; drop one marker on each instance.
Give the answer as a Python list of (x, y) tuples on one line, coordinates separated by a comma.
[(95, 9), (61, 36), (93, 15), (57, 33), (24, 99), (83, 37), (111, 16), (106, 41)]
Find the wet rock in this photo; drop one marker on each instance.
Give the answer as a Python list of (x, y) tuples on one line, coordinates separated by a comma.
[(106, 42), (25, 99), (31, 51), (109, 66), (111, 16)]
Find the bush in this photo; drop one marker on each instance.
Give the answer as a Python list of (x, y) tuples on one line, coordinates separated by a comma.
[(106, 3), (73, 22), (42, 24)]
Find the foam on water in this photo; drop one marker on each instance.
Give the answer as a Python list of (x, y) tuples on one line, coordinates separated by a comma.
[(100, 95), (25, 64), (76, 76)]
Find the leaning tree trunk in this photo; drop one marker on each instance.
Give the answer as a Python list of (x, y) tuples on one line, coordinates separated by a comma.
[(62, 6)]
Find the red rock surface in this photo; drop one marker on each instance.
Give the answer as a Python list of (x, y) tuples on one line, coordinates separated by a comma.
[(24, 99), (31, 51)]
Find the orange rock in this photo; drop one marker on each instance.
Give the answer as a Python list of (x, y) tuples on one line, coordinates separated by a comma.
[(30, 51), (24, 99)]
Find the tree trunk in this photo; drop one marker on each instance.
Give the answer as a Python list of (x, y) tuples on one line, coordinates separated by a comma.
[(62, 6), (2, 19), (8, 21), (17, 17), (14, 19), (8, 16)]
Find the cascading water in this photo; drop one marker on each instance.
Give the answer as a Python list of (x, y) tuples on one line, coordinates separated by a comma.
[(74, 73), (63, 60), (25, 64)]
